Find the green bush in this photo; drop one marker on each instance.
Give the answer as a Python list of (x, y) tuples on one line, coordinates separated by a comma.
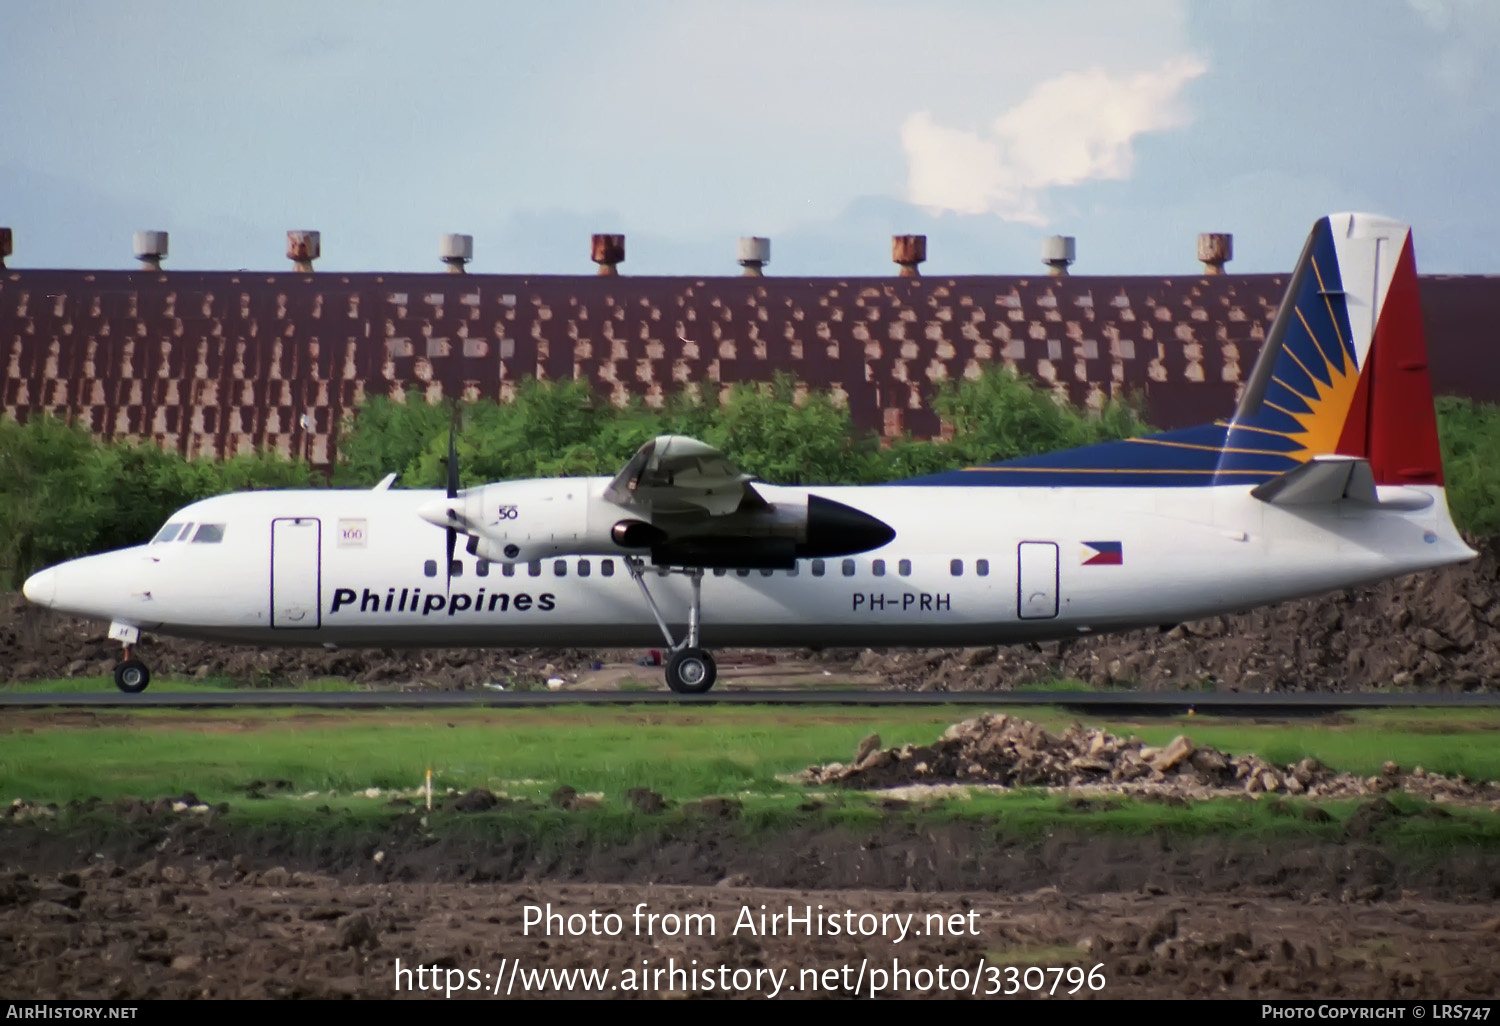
[(562, 428), (1001, 416), (387, 436), (64, 493), (1470, 436)]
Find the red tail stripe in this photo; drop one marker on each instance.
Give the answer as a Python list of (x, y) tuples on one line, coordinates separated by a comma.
[(1402, 433)]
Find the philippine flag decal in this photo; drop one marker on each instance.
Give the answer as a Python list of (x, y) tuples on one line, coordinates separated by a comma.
[(1103, 553)]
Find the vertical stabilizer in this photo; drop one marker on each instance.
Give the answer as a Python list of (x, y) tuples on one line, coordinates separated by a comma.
[(1344, 368)]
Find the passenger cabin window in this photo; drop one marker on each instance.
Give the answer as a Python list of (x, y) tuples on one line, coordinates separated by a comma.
[(848, 568), (534, 568), (877, 567), (817, 568), (743, 573), (507, 569), (904, 568), (795, 570), (456, 568), (720, 571), (167, 533), (767, 572), (560, 568), (956, 568), (607, 567), (430, 568), (209, 533), (583, 568), (482, 568), (982, 567)]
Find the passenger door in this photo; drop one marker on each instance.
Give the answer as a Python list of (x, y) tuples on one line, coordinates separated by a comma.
[(1036, 581), (296, 573)]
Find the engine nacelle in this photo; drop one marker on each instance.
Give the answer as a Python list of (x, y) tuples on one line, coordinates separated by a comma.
[(774, 538), (523, 521), (518, 521)]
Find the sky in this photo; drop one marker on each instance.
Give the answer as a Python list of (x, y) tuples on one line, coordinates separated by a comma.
[(825, 125)]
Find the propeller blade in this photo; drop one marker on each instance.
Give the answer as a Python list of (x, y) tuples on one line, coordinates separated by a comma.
[(452, 494), (448, 565), (453, 454)]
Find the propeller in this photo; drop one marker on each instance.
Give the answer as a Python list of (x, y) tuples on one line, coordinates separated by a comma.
[(453, 514)]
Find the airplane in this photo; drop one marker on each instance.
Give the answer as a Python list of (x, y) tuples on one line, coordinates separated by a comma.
[(1326, 475)]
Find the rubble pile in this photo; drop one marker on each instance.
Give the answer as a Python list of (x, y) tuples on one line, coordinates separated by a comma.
[(999, 749), (1431, 631)]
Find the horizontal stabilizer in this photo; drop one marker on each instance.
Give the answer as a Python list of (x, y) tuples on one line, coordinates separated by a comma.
[(1325, 480)]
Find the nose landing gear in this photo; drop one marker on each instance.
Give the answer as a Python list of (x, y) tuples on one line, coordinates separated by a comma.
[(131, 675)]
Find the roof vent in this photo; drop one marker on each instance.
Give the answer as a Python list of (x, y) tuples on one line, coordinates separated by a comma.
[(1058, 251), (302, 248), (150, 248), (908, 251), (1215, 249), (455, 251), (753, 253), (608, 251)]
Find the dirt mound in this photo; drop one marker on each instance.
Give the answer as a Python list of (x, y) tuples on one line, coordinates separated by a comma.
[(997, 749), (1438, 630)]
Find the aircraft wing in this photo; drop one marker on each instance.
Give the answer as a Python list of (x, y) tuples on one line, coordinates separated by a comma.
[(673, 474)]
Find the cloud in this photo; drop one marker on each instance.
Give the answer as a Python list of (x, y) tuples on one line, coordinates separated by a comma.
[(1470, 34), (1075, 128)]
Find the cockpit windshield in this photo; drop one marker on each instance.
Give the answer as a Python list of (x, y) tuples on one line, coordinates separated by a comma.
[(207, 533), (166, 534)]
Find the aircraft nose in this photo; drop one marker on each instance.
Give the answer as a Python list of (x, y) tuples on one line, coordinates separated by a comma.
[(41, 587)]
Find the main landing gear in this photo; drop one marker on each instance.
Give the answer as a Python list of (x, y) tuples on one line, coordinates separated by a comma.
[(690, 670)]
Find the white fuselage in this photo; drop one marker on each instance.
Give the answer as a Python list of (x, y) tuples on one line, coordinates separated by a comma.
[(967, 566)]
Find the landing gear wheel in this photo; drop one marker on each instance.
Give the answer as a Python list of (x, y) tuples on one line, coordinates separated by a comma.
[(132, 676), (691, 671)]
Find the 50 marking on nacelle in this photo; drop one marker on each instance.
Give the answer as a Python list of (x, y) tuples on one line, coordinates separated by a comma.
[(506, 513), (411, 600)]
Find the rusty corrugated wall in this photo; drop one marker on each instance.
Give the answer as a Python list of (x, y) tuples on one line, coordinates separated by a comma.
[(225, 362)]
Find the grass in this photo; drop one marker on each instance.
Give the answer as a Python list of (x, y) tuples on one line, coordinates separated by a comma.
[(330, 758), (1441, 741), (1066, 685), (85, 685), (527, 752)]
